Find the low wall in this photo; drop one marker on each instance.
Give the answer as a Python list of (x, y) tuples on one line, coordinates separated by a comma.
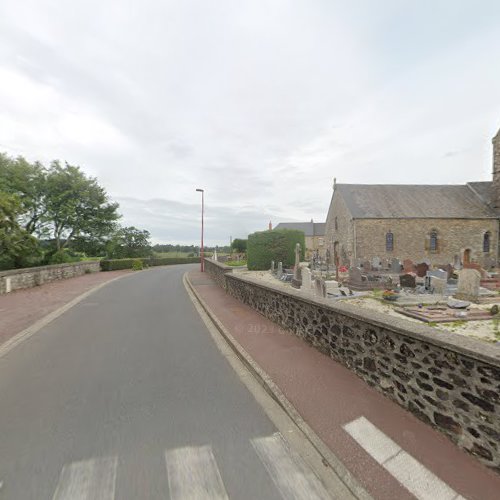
[(448, 381), (15, 279), (217, 270)]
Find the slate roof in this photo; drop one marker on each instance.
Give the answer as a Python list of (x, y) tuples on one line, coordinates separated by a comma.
[(484, 190), (309, 228), (393, 201)]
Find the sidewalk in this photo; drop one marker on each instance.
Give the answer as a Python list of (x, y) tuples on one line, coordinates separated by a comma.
[(328, 396), (22, 308)]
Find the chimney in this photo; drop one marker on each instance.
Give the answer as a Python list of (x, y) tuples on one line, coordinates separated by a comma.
[(270, 226), (496, 170)]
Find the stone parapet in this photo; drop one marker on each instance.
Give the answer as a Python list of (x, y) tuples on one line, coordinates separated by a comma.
[(448, 381), (16, 279), (217, 270)]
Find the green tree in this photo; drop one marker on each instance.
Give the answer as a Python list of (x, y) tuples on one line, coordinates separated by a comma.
[(17, 247), (239, 245), (75, 205), (129, 242)]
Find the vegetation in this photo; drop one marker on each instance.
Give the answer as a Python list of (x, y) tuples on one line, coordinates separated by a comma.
[(116, 264), (277, 245), (129, 242), (236, 263), (239, 245)]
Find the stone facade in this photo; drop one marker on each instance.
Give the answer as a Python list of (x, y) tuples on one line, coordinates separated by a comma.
[(340, 231), (411, 239), (217, 270), (450, 382), (496, 170), (16, 279)]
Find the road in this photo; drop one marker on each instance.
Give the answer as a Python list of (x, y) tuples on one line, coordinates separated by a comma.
[(127, 396)]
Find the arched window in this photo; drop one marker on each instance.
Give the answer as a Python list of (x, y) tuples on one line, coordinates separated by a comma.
[(389, 242), (433, 243), (486, 242), (336, 224)]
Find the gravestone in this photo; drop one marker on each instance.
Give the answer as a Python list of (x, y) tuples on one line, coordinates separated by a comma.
[(449, 271), (438, 285), (408, 266), (296, 269), (367, 266), (319, 288), (306, 280), (457, 263), (376, 263), (407, 281), (438, 273), (279, 272), (395, 265), (272, 266), (355, 275), (468, 285), (386, 264), (422, 269), (332, 287)]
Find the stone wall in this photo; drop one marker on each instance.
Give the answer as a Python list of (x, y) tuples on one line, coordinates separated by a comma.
[(448, 381), (217, 270), (412, 239), (496, 170), (16, 279)]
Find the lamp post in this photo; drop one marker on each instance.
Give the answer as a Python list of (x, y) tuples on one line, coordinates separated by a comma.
[(202, 253)]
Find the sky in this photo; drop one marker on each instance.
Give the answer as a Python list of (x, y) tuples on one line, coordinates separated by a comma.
[(259, 102)]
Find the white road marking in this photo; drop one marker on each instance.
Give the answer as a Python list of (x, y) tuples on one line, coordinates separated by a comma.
[(88, 480), (291, 475), (193, 474), (407, 470)]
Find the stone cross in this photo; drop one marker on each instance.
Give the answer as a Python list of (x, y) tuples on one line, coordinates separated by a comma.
[(296, 270), (468, 285)]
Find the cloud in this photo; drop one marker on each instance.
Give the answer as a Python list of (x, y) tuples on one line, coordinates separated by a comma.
[(261, 103)]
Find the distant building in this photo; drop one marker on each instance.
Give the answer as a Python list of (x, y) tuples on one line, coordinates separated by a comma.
[(440, 223), (314, 233)]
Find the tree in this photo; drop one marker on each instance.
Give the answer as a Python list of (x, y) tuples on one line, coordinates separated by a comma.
[(129, 242), (75, 205), (17, 246), (239, 245)]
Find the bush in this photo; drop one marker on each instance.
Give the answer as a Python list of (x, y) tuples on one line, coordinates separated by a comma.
[(277, 245), (137, 265), (116, 264)]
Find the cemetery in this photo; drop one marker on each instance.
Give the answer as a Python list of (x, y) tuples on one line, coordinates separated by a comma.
[(452, 297)]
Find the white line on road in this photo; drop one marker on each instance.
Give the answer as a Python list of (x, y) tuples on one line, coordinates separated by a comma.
[(193, 474), (409, 472), (293, 478), (88, 480)]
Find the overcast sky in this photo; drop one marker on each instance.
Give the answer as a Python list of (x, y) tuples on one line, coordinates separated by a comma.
[(259, 102)]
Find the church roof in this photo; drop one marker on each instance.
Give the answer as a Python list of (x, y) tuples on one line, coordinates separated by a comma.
[(396, 201), (309, 228)]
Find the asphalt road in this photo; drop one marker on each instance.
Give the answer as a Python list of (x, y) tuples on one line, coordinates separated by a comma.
[(126, 396)]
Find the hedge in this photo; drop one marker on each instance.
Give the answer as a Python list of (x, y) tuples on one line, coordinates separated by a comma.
[(277, 245), (116, 264)]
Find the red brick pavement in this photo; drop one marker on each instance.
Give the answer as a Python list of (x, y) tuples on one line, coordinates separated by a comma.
[(328, 395), (22, 308)]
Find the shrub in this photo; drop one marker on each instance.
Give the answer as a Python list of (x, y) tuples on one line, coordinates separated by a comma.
[(166, 261), (137, 265), (277, 245), (116, 264)]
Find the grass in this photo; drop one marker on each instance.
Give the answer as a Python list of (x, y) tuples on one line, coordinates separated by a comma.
[(235, 263), (166, 255)]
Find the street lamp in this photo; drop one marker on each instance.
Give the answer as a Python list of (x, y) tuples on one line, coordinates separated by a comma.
[(202, 261)]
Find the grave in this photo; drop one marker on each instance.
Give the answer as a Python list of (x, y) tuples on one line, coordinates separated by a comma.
[(306, 280), (395, 266), (443, 314), (468, 285), (376, 263), (407, 281), (279, 272), (408, 266), (422, 269)]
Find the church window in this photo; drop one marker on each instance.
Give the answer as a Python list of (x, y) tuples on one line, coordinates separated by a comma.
[(433, 246), (486, 242), (389, 242), (336, 224)]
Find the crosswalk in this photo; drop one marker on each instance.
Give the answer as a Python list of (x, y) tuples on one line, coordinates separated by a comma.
[(193, 474)]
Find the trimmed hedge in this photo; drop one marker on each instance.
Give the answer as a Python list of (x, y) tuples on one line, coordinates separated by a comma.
[(277, 245), (116, 264)]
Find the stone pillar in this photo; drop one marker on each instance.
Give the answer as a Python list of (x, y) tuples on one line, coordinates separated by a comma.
[(496, 170)]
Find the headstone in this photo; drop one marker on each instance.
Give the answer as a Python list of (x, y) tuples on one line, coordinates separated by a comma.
[(8, 285), (214, 257), (279, 273), (438, 273), (272, 266), (306, 280), (386, 264), (355, 275), (376, 263), (296, 269), (449, 271), (422, 269), (407, 281), (367, 265), (438, 285), (457, 263), (319, 288), (408, 266), (332, 287), (395, 265), (468, 285)]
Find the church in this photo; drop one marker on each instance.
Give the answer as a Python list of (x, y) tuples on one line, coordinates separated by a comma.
[(439, 224)]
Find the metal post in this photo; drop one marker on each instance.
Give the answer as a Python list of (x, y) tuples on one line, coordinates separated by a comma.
[(202, 253)]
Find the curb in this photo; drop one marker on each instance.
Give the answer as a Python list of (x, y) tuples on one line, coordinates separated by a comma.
[(25, 334), (328, 457)]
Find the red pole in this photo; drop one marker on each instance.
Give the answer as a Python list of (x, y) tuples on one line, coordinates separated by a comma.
[(202, 248)]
